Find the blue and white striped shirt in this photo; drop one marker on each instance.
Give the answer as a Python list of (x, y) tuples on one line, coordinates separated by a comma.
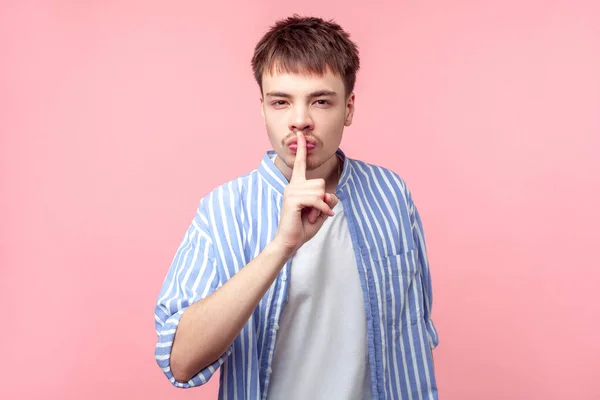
[(235, 222)]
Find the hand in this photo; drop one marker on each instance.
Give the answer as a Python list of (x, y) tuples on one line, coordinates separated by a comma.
[(306, 206)]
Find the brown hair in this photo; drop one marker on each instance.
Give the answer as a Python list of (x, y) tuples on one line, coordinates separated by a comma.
[(308, 45)]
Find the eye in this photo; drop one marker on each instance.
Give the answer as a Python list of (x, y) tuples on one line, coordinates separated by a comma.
[(278, 103), (323, 102)]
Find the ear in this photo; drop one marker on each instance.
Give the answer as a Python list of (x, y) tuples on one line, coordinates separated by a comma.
[(262, 107), (349, 109)]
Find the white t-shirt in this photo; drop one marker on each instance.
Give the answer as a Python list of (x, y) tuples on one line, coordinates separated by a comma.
[(321, 349)]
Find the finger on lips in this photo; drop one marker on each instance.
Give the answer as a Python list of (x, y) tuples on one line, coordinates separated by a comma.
[(299, 175), (299, 171)]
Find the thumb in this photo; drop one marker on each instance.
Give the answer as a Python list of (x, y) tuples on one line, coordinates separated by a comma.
[(331, 200)]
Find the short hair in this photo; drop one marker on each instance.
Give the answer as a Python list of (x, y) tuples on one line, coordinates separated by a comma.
[(307, 45)]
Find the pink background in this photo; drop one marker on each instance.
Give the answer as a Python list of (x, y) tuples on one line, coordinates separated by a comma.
[(117, 117)]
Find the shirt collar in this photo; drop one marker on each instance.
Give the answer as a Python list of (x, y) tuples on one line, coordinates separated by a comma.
[(275, 178)]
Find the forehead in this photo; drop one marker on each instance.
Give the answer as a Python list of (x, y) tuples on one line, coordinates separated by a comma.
[(301, 82)]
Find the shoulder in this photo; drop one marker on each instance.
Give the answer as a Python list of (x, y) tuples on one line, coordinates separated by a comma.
[(227, 197), (384, 178)]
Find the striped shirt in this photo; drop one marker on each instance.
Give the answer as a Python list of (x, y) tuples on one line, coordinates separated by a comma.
[(234, 223)]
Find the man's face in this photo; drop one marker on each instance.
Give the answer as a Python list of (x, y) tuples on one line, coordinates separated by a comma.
[(315, 105)]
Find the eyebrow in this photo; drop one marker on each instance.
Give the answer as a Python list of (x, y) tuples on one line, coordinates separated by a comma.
[(318, 93)]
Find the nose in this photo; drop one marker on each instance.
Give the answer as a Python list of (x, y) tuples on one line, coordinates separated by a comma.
[(300, 120)]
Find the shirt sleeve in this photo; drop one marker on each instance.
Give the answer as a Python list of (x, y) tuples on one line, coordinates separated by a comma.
[(192, 276), (420, 247)]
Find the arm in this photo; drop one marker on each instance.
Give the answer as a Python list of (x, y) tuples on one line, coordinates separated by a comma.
[(198, 317), (420, 246), (192, 277), (208, 327)]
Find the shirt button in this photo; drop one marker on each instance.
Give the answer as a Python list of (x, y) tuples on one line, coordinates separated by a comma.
[(269, 371), (284, 278), (276, 327)]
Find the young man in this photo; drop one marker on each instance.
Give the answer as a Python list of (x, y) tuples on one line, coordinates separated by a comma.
[(308, 277)]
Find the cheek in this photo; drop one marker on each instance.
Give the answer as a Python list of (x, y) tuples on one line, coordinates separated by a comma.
[(334, 115), (269, 123), (331, 123), (275, 130), (274, 120)]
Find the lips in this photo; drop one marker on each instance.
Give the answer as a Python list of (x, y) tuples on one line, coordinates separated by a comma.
[(310, 144), (294, 146)]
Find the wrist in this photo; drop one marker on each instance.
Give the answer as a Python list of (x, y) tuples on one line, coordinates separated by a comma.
[(280, 249)]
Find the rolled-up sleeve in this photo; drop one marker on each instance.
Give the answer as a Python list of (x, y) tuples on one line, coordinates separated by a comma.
[(192, 276), (425, 274)]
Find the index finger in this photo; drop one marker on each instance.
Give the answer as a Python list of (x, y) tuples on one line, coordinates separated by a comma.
[(299, 172)]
